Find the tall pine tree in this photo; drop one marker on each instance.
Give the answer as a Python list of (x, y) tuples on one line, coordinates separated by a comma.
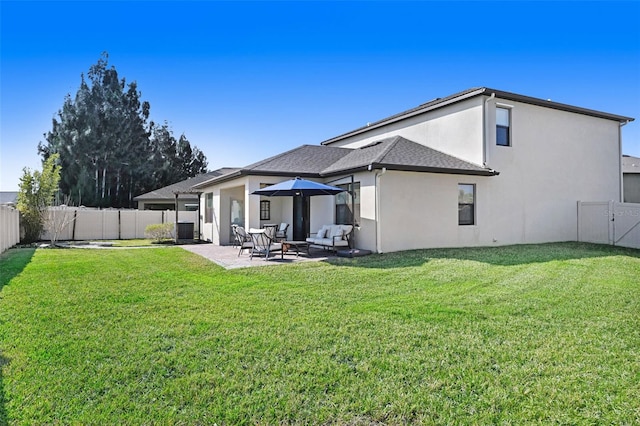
[(107, 152)]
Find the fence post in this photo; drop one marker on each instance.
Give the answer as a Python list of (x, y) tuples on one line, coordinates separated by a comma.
[(579, 230)]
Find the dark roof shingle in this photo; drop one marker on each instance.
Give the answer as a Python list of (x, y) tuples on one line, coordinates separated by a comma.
[(398, 153)]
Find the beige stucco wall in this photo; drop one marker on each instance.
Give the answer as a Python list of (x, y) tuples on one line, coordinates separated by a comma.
[(556, 159), (454, 129), (631, 182), (420, 210)]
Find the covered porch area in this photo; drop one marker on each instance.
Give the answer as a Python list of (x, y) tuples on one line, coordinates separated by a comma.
[(231, 204)]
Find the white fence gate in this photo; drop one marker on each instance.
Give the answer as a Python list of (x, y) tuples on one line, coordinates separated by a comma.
[(609, 223), (88, 224), (9, 227)]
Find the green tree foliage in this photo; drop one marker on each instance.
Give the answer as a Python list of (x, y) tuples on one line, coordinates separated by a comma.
[(36, 194), (108, 148), (174, 160)]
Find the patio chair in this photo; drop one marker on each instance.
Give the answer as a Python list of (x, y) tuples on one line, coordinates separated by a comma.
[(242, 239), (281, 233), (263, 244)]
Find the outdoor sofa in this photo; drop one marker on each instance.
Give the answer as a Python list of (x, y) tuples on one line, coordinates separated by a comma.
[(332, 237)]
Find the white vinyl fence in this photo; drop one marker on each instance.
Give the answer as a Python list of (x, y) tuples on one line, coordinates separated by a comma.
[(609, 223), (9, 227), (75, 224)]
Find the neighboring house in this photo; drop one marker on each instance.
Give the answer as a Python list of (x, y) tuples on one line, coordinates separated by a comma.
[(631, 179), (480, 167), (165, 198), (8, 198)]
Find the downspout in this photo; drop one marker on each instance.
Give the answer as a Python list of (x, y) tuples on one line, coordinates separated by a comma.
[(485, 128), (620, 159), (377, 191), (200, 235), (175, 227)]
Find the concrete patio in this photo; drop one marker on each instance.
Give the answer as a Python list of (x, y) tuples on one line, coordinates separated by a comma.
[(227, 256)]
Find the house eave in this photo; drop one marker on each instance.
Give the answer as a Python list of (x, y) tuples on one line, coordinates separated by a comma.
[(404, 168), (440, 170), (242, 173)]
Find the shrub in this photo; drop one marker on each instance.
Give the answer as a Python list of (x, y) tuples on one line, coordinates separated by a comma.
[(159, 231)]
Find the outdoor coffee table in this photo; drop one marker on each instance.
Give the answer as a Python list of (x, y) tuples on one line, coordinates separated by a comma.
[(296, 245)]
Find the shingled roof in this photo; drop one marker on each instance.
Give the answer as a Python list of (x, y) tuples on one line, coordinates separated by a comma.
[(168, 192), (398, 153), (303, 161)]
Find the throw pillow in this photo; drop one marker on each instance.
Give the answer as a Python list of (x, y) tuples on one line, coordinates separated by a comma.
[(321, 233)]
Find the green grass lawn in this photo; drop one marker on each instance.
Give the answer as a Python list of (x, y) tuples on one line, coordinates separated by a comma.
[(510, 335)]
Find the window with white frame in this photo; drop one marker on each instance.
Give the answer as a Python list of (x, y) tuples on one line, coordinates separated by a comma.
[(208, 207), (503, 126), (466, 204)]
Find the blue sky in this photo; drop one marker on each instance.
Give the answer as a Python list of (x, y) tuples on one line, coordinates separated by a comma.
[(247, 80)]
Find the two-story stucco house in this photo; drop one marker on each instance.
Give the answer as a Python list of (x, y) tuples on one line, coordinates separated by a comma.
[(480, 167)]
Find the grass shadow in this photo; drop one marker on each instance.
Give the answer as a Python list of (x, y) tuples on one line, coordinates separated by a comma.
[(503, 255), (12, 262), (4, 420)]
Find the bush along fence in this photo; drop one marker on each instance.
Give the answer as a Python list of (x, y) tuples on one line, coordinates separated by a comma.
[(9, 227), (609, 222), (76, 224)]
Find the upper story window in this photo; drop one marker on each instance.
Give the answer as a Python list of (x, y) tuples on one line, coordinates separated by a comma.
[(503, 126)]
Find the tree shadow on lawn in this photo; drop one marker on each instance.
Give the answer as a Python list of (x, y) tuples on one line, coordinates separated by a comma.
[(3, 410), (12, 263), (503, 255)]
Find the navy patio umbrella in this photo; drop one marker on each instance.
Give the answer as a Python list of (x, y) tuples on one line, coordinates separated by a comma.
[(298, 187)]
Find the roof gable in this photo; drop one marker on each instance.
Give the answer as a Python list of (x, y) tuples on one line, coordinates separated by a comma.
[(470, 93)]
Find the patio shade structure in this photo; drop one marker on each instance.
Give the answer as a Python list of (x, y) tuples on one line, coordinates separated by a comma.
[(298, 187)]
